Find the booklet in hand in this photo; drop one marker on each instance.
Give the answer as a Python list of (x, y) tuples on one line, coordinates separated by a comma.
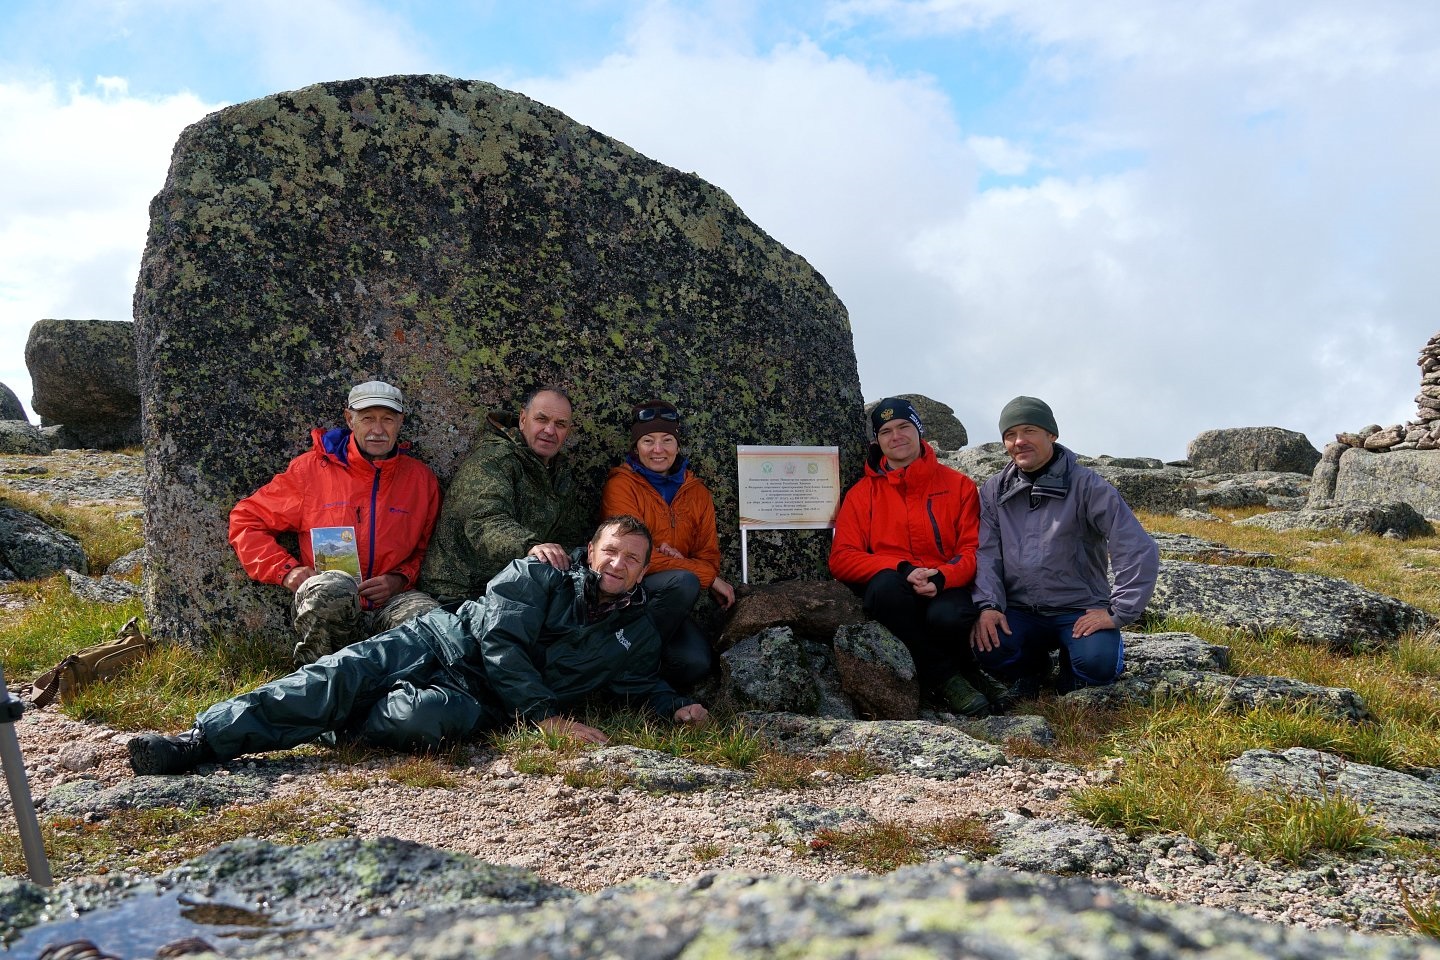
[(334, 549)]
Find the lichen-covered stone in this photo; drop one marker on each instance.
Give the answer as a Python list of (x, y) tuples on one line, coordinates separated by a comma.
[(463, 242), (85, 381), (1159, 491), (978, 463), (1316, 609), (1052, 846), (1400, 803), (1396, 519), (768, 672), (1239, 449), (31, 549), (654, 770), (921, 749), (798, 822), (21, 436), (1172, 651), (1183, 546), (1409, 475), (877, 672), (148, 793), (104, 589)]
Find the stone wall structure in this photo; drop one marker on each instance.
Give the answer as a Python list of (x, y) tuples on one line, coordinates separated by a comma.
[(465, 243)]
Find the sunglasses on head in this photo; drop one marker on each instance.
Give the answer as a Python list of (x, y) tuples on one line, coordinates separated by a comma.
[(646, 414)]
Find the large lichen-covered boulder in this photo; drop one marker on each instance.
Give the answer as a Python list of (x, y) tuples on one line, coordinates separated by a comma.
[(85, 381), (1243, 449), (465, 243)]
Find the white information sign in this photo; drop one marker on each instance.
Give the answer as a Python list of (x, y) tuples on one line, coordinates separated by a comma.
[(786, 488)]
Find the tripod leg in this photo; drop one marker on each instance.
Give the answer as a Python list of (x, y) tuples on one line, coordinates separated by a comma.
[(14, 763)]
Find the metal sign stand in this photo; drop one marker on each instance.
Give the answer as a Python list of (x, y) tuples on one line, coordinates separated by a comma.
[(14, 763)]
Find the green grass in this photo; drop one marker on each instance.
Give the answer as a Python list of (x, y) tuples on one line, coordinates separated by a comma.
[(424, 773), (102, 536), (156, 839), (55, 624), (1424, 914)]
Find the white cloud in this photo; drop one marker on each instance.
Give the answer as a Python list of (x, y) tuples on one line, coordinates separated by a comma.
[(1001, 156), (78, 168)]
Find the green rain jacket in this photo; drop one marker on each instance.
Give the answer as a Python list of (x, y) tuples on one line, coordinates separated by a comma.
[(501, 502), (529, 646)]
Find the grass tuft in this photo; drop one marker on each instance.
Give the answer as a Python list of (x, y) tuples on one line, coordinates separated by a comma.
[(156, 839), (424, 773), (890, 844), (1424, 915)]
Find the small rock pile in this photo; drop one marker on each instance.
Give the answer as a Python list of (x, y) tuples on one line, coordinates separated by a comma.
[(1422, 433)]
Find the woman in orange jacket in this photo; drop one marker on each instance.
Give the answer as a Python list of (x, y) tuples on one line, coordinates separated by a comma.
[(655, 484)]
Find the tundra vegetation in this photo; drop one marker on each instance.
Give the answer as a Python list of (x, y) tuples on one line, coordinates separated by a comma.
[(1168, 759)]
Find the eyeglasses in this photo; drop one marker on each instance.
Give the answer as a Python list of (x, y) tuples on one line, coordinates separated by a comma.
[(646, 414)]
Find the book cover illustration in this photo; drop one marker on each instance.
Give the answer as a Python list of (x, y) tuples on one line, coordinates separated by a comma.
[(334, 549)]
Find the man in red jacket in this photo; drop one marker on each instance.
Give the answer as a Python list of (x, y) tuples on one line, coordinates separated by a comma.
[(905, 540), (357, 486)]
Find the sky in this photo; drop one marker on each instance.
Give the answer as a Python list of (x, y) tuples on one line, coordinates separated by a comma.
[(1161, 216)]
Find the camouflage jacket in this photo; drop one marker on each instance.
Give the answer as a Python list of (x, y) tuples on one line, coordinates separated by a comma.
[(501, 502)]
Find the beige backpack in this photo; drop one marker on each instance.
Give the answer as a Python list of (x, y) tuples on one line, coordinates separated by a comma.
[(100, 662)]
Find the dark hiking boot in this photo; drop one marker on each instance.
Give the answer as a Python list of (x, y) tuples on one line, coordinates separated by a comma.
[(963, 698), (993, 690), (154, 753)]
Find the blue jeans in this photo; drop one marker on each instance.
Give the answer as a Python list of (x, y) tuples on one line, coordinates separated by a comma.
[(1025, 652)]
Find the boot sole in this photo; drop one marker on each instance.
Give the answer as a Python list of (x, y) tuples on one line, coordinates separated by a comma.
[(143, 759)]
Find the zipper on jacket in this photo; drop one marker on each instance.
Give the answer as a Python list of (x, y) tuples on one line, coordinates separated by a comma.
[(934, 526), (374, 498)]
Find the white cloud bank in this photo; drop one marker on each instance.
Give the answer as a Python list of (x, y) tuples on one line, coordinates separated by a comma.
[(77, 170)]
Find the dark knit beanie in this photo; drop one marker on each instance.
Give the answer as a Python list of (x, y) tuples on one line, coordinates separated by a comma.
[(1028, 410), (653, 416), (890, 408)]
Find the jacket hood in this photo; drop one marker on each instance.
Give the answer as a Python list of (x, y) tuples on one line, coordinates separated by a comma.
[(504, 427), (1053, 482), (338, 444)]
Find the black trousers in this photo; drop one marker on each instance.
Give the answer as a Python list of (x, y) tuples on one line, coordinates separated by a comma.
[(936, 629)]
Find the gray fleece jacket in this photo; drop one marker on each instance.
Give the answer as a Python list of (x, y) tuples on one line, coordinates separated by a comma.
[(1048, 544)]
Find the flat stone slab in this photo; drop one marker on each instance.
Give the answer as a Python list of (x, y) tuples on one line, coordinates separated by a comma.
[(1402, 804), (921, 749), (1173, 651), (656, 770), (1053, 846), (1184, 546), (798, 822), (147, 793), (1321, 610), (1395, 520), (1229, 693)]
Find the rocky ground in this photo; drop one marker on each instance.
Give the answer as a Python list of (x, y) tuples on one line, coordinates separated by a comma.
[(680, 823)]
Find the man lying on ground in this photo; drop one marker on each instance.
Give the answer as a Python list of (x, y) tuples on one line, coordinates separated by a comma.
[(539, 641)]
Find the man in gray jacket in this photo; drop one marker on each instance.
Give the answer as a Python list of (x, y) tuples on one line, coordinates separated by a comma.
[(1049, 529)]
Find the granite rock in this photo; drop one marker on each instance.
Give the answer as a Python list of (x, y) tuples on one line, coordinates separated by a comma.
[(10, 406), (85, 381), (22, 436), (1402, 804), (1316, 609), (1253, 448), (813, 609), (768, 672), (1412, 476), (877, 672), (466, 243), (31, 549), (1396, 520), (929, 750)]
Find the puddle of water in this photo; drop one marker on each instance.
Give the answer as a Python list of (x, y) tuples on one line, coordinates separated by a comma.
[(143, 923)]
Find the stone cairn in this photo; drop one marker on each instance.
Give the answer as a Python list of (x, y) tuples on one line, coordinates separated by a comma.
[(1422, 433)]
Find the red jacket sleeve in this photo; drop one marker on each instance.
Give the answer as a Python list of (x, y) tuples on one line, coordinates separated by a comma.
[(961, 573), (851, 559), (274, 508)]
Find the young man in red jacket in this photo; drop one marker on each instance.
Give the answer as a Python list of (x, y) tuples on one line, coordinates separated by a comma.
[(905, 540), (360, 484)]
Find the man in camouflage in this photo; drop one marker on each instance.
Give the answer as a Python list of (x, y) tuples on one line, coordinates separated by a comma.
[(360, 482), (513, 497)]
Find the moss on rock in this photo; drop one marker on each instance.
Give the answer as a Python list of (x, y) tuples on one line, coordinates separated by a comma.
[(466, 243)]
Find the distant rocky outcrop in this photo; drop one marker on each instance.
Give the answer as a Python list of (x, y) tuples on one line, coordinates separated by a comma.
[(465, 243), (10, 406), (1314, 609), (1361, 475), (22, 436), (1398, 521), (86, 382), (1246, 449), (942, 428)]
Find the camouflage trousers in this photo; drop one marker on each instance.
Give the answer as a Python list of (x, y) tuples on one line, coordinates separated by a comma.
[(328, 615)]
